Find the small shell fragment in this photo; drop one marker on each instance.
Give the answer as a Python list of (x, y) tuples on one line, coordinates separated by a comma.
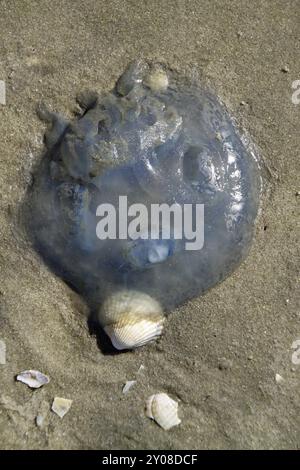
[(131, 319), (279, 379), (2, 352), (141, 368), (61, 406), (39, 420), (163, 410), (33, 378), (128, 386)]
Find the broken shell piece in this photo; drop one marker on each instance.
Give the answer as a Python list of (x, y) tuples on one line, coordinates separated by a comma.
[(279, 379), (132, 333), (61, 406), (39, 420), (141, 368), (2, 353), (33, 378), (157, 80), (132, 76), (131, 319), (128, 386), (163, 410)]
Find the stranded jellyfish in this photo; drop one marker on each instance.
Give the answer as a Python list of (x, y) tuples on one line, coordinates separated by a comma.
[(158, 140)]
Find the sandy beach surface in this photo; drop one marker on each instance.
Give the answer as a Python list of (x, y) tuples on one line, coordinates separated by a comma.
[(221, 352)]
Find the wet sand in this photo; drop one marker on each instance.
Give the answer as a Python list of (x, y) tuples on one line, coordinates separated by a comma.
[(221, 352)]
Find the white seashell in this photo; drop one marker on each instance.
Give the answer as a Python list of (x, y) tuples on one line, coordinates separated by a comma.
[(128, 385), (33, 378), (2, 352), (61, 406), (39, 420), (157, 80), (163, 410), (131, 319)]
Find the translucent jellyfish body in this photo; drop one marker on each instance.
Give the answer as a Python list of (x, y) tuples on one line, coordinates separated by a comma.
[(157, 138)]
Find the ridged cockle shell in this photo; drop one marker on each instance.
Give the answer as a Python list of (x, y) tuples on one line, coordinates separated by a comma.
[(131, 319)]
